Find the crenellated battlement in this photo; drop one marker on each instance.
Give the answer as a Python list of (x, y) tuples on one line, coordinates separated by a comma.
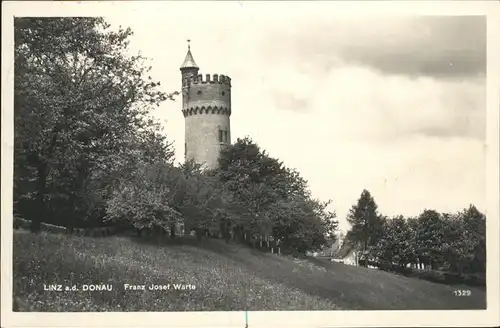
[(208, 78)]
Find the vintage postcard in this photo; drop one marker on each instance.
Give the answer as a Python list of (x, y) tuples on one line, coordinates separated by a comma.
[(250, 163)]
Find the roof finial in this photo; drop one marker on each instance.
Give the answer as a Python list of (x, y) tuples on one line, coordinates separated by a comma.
[(189, 61)]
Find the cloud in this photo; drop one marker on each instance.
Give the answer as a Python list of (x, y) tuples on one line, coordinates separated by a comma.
[(403, 76), (434, 46), (289, 101), (440, 47), (362, 104)]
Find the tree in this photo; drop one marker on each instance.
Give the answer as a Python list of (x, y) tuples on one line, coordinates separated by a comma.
[(269, 199), (145, 200), (366, 223), (252, 177), (430, 238), (464, 246), (203, 204), (475, 226), (81, 114), (395, 245)]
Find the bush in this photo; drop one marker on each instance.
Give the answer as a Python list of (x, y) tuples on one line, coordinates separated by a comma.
[(434, 276), (442, 277)]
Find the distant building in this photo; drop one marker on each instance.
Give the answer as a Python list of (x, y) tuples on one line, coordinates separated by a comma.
[(347, 254), (313, 254), (206, 106), (332, 246)]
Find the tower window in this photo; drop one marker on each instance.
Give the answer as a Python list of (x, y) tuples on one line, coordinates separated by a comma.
[(223, 136), (223, 93), (199, 92)]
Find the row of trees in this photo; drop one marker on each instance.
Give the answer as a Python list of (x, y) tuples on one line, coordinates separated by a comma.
[(249, 196), (87, 152), (442, 241)]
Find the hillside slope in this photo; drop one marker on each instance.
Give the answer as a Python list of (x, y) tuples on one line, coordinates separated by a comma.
[(219, 277)]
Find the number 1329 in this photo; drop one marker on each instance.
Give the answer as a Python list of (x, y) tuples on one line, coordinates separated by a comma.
[(462, 292)]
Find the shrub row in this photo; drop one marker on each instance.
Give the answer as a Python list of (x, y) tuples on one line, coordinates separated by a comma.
[(450, 278), (20, 223), (443, 277)]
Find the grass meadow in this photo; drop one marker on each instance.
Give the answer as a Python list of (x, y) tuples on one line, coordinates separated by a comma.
[(226, 277)]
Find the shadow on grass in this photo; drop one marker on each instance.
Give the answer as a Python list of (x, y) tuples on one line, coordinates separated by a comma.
[(265, 265), (218, 246), (231, 273), (349, 287)]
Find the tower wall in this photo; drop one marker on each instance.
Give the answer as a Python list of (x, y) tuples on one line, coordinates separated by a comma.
[(207, 110), (188, 74)]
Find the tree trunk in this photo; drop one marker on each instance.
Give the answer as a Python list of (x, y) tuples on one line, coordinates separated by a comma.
[(172, 230), (40, 197), (199, 233), (79, 184), (227, 233)]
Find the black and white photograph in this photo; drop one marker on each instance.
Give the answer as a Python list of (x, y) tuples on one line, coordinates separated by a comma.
[(249, 158)]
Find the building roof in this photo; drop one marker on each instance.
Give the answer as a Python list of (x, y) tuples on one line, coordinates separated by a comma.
[(330, 248), (189, 60), (343, 250), (336, 246)]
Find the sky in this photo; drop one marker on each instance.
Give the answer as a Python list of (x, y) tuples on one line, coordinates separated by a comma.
[(392, 104)]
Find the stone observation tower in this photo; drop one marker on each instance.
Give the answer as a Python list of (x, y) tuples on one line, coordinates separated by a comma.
[(206, 105)]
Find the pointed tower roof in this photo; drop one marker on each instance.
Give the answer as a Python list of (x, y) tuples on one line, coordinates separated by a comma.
[(189, 60)]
